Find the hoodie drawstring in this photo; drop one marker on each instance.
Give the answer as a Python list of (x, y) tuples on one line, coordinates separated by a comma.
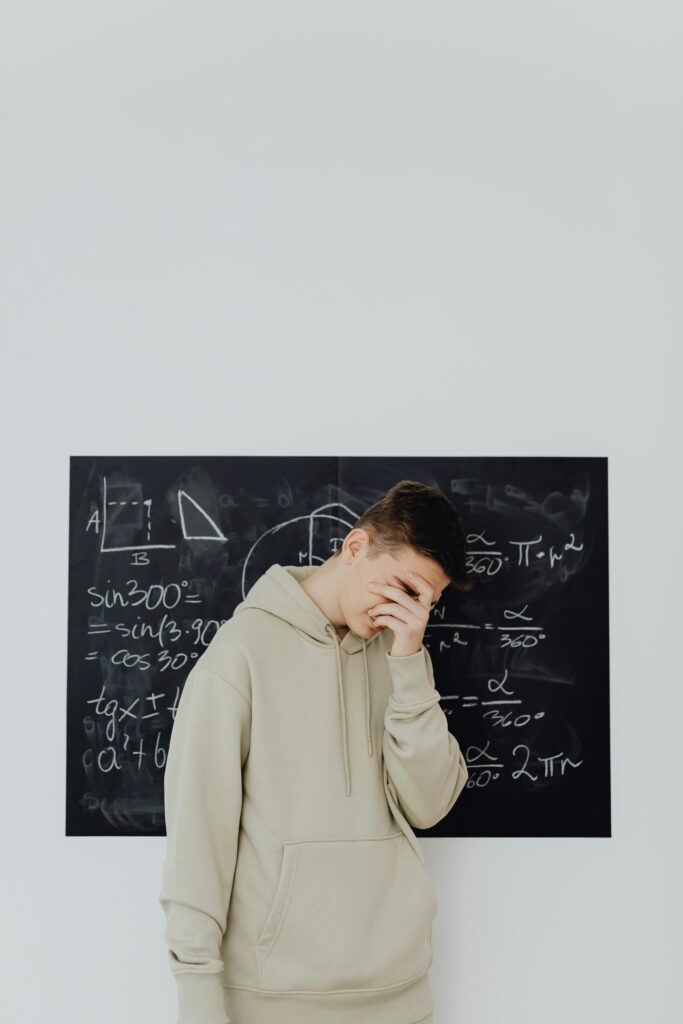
[(368, 730), (340, 687)]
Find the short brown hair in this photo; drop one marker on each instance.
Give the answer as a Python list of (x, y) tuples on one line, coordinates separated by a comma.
[(416, 515)]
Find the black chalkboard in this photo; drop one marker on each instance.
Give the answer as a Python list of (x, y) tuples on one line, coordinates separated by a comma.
[(161, 549)]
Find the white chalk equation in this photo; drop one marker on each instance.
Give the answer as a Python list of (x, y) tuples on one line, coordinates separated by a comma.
[(485, 768), (492, 559), (517, 630)]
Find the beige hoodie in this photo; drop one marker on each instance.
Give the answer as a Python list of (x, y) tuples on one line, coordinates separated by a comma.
[(294, 888)]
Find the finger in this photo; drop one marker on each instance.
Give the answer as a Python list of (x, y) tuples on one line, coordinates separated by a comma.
[(393, 611), (415, 616), (396, 594), (424, 589), (388, 620)]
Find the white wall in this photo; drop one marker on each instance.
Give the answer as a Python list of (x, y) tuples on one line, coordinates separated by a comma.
[(361, 227)]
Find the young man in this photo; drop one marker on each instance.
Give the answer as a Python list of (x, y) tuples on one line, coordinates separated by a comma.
[(308, 740)]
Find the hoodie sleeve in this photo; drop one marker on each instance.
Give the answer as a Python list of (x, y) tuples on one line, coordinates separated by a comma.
[(425, 765), (202, 802)]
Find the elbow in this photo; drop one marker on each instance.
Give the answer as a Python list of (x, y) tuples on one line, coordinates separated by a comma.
[(460, 781), (424, 821), (439, 812)]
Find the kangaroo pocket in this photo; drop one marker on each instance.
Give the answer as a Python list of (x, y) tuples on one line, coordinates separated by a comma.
[(347, 914)]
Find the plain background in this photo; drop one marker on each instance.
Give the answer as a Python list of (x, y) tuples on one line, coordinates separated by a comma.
[(316, 228)]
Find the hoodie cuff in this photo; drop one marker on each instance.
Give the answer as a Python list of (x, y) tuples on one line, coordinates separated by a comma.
[(410, 678), (200, 998)]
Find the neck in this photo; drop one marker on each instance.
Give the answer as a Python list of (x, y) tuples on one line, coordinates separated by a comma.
[(322, 586)]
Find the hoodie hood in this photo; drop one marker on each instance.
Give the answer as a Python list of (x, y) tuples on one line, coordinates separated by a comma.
[(279, 592)]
